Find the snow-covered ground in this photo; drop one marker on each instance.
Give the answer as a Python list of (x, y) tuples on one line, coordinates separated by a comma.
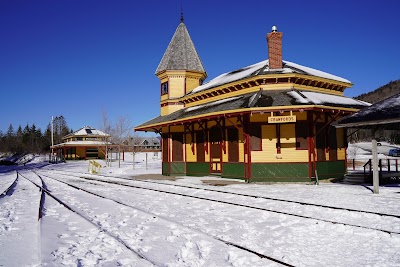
[(129, 216)]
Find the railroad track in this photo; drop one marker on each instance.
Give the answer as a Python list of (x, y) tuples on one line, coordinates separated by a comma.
[(92, 177), (79, 175), (46, 192), (229, 243), (9, 189)]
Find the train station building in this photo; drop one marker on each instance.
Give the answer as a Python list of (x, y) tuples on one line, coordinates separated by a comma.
[(269, 121), (86, 143)]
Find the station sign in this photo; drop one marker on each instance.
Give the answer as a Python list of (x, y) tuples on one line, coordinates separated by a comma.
[(282, 119)]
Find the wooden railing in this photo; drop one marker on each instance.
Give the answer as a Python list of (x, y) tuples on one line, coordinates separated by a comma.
[(384, 175)]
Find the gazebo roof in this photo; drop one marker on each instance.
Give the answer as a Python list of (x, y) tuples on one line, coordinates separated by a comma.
[(87, 131)]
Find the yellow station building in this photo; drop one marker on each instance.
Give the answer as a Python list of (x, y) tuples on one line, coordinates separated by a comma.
[(86, 143), (270, 121)]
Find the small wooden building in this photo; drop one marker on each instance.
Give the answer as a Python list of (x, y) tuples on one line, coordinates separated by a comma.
[(86, 143), (270, 121)]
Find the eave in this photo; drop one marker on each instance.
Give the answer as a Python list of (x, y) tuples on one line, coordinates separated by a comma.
[(229, 113), (305, 82)]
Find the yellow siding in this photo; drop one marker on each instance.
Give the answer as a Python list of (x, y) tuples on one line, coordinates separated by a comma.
[(211, 124), (164, 97), (177, 128), (191, 83), (301, 116), (288, 150), (268, 152), (80, 151), (288, 133), (241, 147), (341, 154), (341, 151), (259, 117), (225, 155), (190, 156), (223, 96), (176, 87), (165, 110)]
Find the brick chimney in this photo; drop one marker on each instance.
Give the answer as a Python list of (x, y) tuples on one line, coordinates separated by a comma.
[(274, 40)]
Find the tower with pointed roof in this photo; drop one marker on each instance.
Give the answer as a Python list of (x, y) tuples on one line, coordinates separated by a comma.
[(180, 70)]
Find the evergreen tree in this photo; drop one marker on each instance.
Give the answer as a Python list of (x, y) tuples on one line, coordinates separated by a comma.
[(30, 139), (60, 129), (18, 140), (46, 139), (10, 139), (2, 142), (26, 136)]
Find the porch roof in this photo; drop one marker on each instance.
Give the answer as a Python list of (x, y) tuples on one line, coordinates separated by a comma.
[(259, 99)]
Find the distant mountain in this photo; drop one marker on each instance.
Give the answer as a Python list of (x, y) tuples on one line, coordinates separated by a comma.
[(381, 93)]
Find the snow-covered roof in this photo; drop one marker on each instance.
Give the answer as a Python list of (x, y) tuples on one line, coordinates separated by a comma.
[(87, 131), (262, 68), (305, 97), (383, 112), (262, 99), (83, 143)]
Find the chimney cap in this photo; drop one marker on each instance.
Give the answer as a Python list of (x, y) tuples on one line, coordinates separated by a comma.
[(274, 29)]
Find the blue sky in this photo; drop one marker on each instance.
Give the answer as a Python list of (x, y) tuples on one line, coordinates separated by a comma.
[(78, 58)]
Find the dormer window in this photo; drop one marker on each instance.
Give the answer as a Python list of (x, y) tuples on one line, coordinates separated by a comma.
[(164, 88)]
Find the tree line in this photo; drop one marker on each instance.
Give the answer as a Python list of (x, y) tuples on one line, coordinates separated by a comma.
[(31, 139)]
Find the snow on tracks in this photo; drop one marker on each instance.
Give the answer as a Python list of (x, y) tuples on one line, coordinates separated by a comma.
[(161, 241), (296, 240), (19, 228)]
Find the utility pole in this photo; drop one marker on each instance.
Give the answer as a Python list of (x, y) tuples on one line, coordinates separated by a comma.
[(52, 136)]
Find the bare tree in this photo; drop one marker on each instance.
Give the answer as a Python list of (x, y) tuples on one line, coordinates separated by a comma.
[(106, 128), (135, 144), (121, 132)]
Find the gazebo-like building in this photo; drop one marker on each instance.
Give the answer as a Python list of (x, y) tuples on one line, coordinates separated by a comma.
[(86, 143), (269, 121)]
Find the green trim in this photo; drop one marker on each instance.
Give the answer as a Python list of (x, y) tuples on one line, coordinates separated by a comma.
[(331, 169), (198, 168), (165, 169), (279, 172), (177, 168), (233, 170), (261, 172)]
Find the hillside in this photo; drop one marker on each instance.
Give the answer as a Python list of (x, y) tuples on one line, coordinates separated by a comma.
[(381, 93)]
